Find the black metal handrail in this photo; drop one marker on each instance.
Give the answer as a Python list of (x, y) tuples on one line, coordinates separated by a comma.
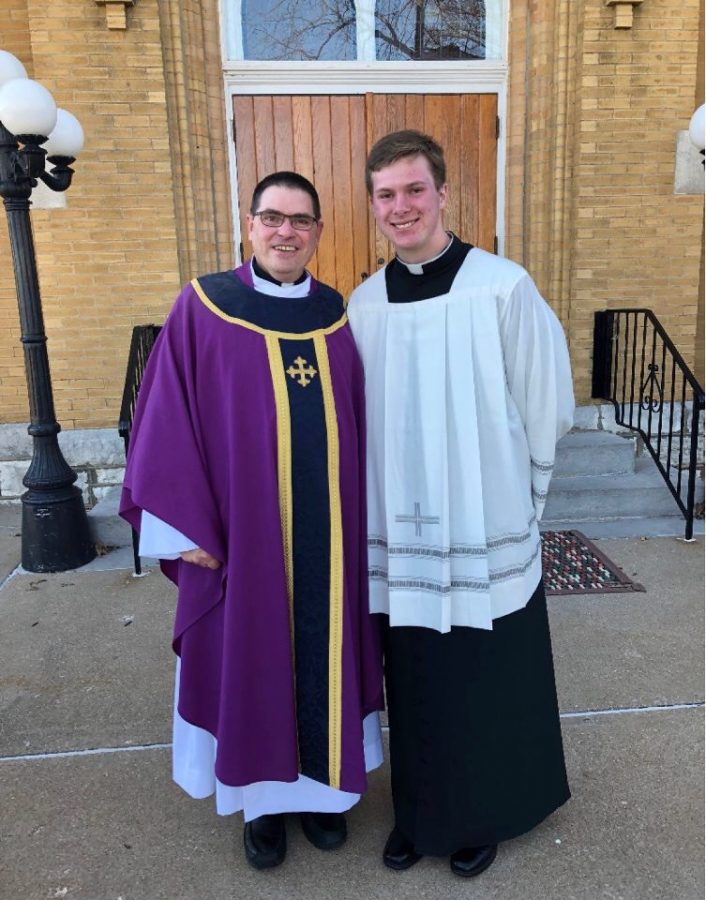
[(141, 343), (637, 367)]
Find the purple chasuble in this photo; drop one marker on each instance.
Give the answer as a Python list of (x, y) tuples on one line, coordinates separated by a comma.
[(214, 452)]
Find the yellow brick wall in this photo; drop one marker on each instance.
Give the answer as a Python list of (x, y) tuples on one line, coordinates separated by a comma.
[(591, 209), (541, 137), (198, 135), (109, 260), (635, 243), (15, 31)]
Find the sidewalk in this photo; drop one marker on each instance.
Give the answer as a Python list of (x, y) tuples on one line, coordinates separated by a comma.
[(89, 810)]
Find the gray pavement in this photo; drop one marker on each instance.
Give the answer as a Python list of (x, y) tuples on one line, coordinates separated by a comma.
[(89, 810)]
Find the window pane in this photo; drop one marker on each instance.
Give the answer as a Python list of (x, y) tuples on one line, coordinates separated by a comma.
[(298, 29), (431, 29)]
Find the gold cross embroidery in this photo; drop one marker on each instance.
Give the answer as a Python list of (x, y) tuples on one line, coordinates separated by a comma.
[(302, 372)]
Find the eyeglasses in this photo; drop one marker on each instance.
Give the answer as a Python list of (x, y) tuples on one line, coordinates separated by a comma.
[(273, 219)]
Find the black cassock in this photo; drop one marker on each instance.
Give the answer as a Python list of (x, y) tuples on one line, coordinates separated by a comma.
[(475, 742)]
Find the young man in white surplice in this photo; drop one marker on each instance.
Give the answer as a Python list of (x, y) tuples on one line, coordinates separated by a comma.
[(468, 389)]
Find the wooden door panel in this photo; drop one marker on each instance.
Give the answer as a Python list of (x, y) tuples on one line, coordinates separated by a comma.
[(326, 139), (363, 222), (487, 169), (283, 133), (302, 135), (465, 126), (264, 135), (342, 179), (323, 138), (468, 212), (384, 114)]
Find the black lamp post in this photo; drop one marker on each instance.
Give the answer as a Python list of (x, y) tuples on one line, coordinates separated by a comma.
[(55, 533)]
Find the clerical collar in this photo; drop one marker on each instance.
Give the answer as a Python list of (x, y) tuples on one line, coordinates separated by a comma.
[(265, 276), (435, 279), (424, 268)]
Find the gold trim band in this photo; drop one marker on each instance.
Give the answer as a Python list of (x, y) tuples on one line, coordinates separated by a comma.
[(306, 335), (284, 464), (336, 574)]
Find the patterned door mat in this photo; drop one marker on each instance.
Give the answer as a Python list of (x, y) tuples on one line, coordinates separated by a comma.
[(573, 565)]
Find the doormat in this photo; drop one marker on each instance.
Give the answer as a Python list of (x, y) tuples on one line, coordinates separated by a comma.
[(573, 565)]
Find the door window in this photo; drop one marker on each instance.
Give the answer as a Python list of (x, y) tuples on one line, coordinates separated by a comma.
[(430, 29), (299, 29)]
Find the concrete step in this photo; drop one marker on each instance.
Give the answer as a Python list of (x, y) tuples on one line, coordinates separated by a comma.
[(636, 527), (577, 495), (596, 497), (106, 525), (582, 453)]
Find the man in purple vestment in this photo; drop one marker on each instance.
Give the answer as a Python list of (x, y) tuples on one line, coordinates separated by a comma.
[(246, 478)]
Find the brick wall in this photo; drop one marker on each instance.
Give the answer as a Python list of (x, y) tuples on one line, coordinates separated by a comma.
[(198, 135), (15, 31), (108, 260), (636, 243), (591, 210)]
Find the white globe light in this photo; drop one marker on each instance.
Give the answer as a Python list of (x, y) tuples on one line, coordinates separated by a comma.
[(697, 129), (67, 137), (27, 107), (10, 67)]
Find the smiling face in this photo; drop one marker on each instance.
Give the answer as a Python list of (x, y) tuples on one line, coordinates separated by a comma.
[(407, 206), (283, 252)]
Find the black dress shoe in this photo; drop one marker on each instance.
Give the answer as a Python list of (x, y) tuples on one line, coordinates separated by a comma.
[(470, 861), (399, 852), (327, 831), (265, 841)]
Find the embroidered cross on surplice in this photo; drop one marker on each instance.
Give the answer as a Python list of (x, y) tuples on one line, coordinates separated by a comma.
[(418, 519)]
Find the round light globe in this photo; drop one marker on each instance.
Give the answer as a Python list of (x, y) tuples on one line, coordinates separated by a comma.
[(697, 128), (10, 67), (27, 107), (67, 137)]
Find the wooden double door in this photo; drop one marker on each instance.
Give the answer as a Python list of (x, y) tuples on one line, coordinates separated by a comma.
[(327, 138)]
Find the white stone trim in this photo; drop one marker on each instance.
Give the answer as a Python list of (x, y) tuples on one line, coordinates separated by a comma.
[(365, 30), (229, 92), (231, 29), (359, 77)]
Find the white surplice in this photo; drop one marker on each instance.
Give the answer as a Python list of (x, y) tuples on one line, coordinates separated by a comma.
[(467, 394)]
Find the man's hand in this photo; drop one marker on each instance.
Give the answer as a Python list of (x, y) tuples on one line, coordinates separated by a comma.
[(200, 558)]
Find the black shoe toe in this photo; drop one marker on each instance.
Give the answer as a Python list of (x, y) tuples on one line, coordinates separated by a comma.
[(399, 852), (327, 831), (265, 841), (470, 861)]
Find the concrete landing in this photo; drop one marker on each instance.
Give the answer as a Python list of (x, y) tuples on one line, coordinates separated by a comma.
[(89, 810)]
